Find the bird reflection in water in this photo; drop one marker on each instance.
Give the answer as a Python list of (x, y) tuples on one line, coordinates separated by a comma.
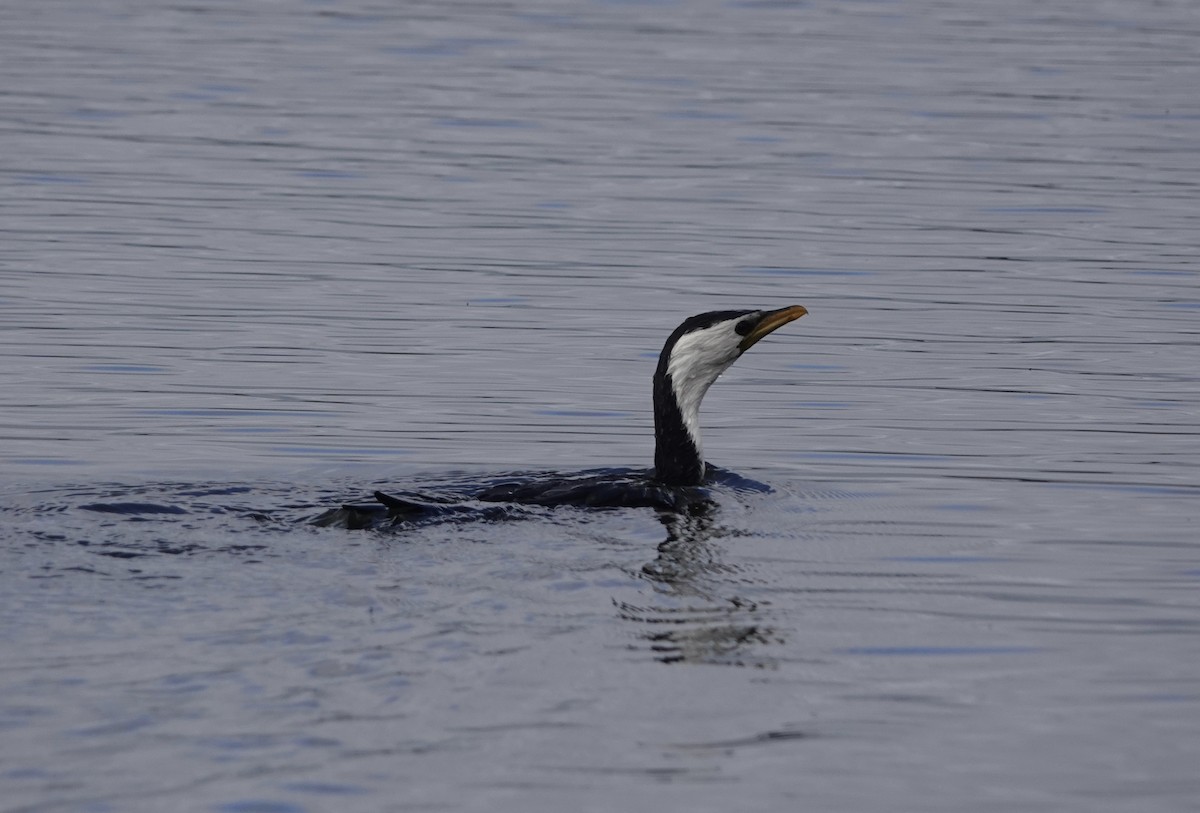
[(694, 622)]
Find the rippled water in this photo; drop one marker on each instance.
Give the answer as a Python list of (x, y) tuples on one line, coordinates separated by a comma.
[(258, 259)]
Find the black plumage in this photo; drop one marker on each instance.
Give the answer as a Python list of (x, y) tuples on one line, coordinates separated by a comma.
[(695, 354)]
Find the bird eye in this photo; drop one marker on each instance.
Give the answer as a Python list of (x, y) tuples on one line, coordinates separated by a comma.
[(743, 327)]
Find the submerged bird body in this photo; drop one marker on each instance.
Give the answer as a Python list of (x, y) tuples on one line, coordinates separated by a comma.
[(694, 356)]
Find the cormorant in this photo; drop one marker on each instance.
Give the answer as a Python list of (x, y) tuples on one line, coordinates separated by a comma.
[(695, 355)]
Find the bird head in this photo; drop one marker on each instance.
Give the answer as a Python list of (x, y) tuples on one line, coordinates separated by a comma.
[(702, 348), (705, 345)]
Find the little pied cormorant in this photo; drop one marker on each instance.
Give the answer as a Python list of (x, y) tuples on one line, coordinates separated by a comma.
[(695, 355)]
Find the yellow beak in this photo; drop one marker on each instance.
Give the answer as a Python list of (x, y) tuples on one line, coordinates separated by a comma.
[(769, 322)]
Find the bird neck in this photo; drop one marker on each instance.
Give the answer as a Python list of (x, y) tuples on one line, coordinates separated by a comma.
[(678, 459)]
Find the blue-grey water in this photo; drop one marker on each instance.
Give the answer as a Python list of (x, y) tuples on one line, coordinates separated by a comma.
[(257, 259)]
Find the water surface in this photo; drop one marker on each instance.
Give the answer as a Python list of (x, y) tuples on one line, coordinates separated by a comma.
[(258, 260)]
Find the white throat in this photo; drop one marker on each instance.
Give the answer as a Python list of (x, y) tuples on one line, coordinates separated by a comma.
[(697, 360)]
